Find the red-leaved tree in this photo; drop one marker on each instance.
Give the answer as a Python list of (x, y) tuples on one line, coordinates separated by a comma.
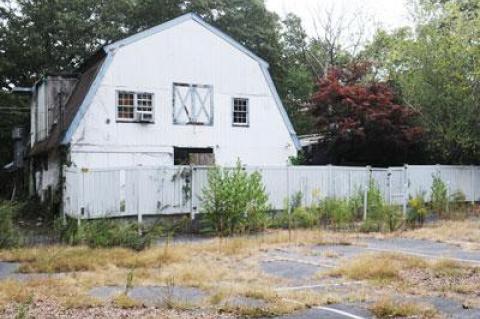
[(362, 121)]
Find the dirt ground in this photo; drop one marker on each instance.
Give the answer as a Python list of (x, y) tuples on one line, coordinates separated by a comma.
[(304, 274)]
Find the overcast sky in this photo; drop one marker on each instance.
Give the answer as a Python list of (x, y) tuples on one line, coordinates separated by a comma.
[(387, 13)]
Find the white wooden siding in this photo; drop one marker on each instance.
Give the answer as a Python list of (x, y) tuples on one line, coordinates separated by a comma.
[(186, 53)]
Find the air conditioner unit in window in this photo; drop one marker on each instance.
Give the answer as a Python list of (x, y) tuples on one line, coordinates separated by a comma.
[(145, 117)]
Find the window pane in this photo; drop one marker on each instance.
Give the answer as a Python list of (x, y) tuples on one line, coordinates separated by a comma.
[(144, 102), (240, 111), (125, 105)]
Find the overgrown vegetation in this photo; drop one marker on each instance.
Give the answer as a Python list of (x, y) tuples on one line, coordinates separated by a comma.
[(235, 201), (390, 308), (103, 233), (342, 213), (9, 235), (439, 200), (380, 215), (417, 211)]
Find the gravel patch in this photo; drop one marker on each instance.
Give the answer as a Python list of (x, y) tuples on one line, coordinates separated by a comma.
[(159, 296), (48, 309)]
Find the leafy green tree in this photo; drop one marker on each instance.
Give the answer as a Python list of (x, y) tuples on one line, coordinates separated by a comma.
[(299, 80), (434, 68)]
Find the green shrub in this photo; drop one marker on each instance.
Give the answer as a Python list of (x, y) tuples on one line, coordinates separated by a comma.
[(234, 201), (337, 212), (103, 233), (458, 206), (439, 200), (417, 210), (380, 215), (298, 160), (304, 217), (9, 236)]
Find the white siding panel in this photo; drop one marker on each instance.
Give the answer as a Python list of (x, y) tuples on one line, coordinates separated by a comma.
[(187, 53)]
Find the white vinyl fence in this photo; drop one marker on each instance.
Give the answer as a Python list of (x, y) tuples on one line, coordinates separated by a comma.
[(177, 189)]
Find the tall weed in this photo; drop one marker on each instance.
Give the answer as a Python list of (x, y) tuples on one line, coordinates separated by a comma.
[(9, 235), (234, 201)]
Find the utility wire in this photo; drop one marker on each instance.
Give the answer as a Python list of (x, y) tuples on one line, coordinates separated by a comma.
[(14, 108)]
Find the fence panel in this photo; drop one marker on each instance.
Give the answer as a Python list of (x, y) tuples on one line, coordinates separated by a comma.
[(398, 185), (178, 189)]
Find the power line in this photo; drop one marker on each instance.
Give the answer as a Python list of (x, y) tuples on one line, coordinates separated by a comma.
[(14, 108)]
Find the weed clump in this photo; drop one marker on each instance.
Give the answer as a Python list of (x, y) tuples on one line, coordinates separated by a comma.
[(235, 201), (388, 308), (103, 233), (9, 236)]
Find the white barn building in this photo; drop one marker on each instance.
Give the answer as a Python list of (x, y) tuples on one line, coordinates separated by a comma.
[(182, 92)]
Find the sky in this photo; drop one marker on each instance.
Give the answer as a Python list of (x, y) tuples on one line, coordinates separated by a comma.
[(389, 14)]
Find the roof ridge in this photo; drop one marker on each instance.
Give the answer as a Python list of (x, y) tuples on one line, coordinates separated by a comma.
[(180, 19)]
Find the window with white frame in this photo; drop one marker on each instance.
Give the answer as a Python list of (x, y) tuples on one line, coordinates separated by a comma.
[(240, 112), (134, 107)]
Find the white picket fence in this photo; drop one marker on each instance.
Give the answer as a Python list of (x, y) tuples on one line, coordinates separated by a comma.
[(177, 189)]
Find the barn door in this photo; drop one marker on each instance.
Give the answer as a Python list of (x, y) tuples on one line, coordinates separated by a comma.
[(192, 104)]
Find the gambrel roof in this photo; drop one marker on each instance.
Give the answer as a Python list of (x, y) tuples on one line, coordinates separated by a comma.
[(90, 80)]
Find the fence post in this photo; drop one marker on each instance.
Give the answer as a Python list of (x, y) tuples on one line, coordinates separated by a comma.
[(406, 191), (331, 186), (447, 208), (64, 190), (139, 212), (289, 206), (365, 192), (472, 173), (389, 184), (192, 174), (365, 203), (82, 201)]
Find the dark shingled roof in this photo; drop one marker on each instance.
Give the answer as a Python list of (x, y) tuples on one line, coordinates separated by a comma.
[(90, 70)]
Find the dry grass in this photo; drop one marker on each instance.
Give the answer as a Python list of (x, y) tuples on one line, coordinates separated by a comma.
[(389, 308), (52, 259), (448, 268), (382, 267), (48, 259), (464, 233), (223, 268), (123, 301), (64, 291)]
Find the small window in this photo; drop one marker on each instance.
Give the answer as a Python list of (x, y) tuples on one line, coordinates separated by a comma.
[(240, 112), (144, 102), (126, 105), (135, 107)]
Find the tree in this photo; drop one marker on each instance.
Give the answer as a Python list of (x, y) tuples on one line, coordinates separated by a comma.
[(361, 119), (435, 68), (298, 80)]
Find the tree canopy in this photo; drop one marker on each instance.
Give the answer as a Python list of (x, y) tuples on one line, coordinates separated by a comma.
[(435, 67), (423, 76), (362, 120)]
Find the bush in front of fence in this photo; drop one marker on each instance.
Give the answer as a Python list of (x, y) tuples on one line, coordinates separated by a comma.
[(439, 201), (103, 233), (234, 201), (343, 213), (9, 235), (338, 213)]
